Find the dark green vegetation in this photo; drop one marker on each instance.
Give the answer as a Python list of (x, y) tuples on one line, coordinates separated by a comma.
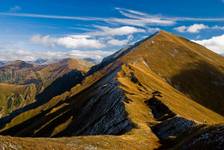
[(152, 95)]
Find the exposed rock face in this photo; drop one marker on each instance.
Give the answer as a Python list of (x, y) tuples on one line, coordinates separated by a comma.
[(177, 132), (40, 82), (115, 96), (171, 126), (207, 138), (100, 112), (159, 110), (104, 113), (61, 85)]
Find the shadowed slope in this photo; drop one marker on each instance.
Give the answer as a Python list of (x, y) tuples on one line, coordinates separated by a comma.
[(186, 66), (45, 82), (111, 101), (20, 72), (13, 97)]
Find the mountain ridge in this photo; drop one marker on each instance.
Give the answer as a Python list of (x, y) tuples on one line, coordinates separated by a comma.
[(40, 78), (133, 97)]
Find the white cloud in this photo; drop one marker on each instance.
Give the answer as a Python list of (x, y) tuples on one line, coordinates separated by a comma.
[(138, 18), (26, 55), (217, 27), (118, 31), (215, 43), (181, 29), (97, 54), (116, 42), (43, 16), (130, 17), (102, 38), (71, 41), (195, 28)]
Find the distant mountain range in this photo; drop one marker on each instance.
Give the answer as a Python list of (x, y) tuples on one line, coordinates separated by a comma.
[(164, 92), (2, 63), (37, 78)]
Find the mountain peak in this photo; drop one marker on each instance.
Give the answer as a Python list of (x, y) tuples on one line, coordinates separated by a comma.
[(163, 32), (164, 74)]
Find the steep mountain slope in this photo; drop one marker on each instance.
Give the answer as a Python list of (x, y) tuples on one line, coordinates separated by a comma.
[(184, 64), (44, 81), (127, 95), (20, 72), (16, 72), (15, 96)]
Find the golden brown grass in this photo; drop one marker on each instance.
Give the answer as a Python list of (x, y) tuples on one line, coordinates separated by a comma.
[(152, 64)]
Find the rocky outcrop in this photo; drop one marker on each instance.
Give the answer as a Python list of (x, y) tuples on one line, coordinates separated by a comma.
[(159, 110), (104, 113), (207, 138), (99, 110), (170, 126)]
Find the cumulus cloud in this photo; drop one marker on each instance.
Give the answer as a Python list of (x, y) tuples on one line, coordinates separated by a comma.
[(195, 28), (116, 31), (28, 55), (116, 42), (98, 39), (71, 41), (217, 27), (215, 43)]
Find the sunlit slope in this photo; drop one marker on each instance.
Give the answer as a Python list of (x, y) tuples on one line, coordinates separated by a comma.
[(13, 97), (137, 83), (20, 72), (22, 81), (70, 105), (189, 67), (117, 98)]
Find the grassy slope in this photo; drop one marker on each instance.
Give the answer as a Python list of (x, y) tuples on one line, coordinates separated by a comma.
[(19, 78), (186, 66), (15, 96), (148, 81), (53, 71), (20, 72), (138, 113)]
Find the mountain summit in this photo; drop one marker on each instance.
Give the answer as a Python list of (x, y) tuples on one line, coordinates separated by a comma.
[(163, 92)]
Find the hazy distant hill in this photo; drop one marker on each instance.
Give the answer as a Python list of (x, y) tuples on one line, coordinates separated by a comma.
[(163, 92), (2, 63)]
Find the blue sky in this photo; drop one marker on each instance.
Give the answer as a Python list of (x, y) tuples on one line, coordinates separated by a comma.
[(30, 29)]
